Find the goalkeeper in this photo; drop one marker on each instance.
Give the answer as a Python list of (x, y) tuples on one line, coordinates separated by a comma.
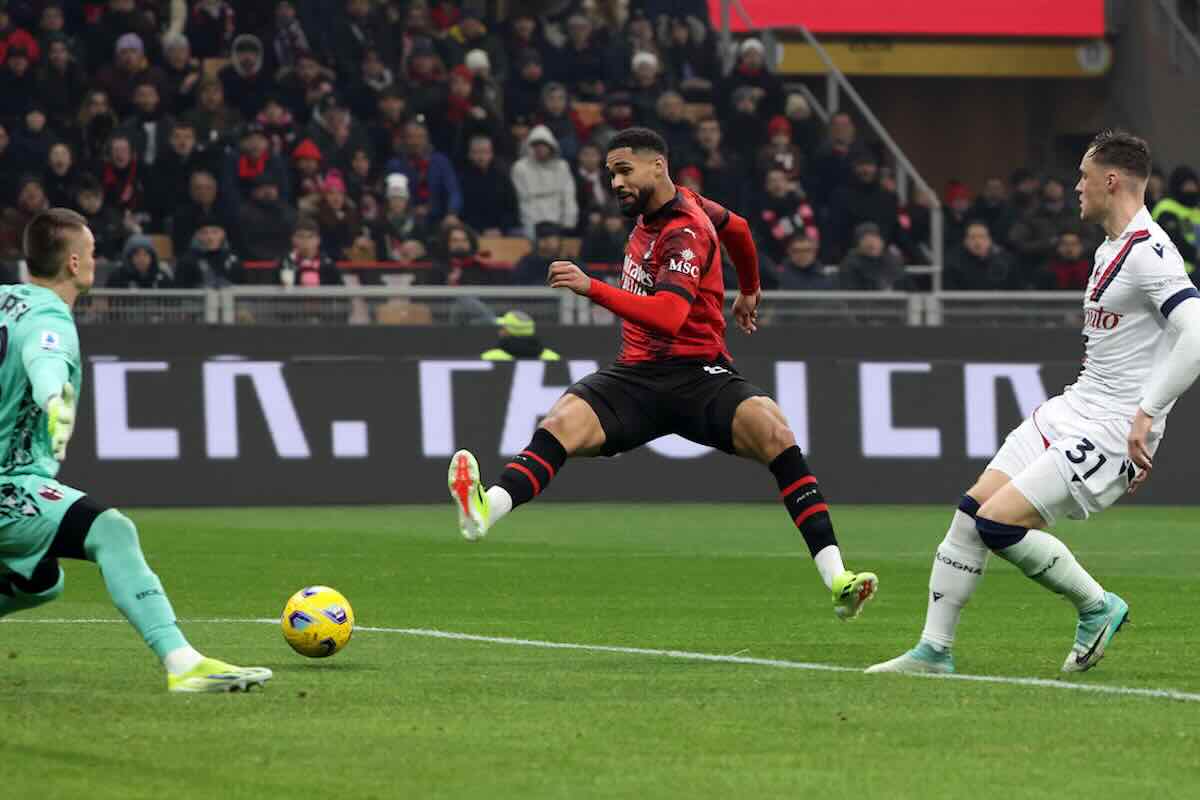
[(42, 520)]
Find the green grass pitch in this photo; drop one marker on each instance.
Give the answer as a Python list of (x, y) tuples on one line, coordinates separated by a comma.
[(84, 712)]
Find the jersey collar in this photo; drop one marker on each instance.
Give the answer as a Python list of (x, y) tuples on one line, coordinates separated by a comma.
[(1140, 222), (649, 219)]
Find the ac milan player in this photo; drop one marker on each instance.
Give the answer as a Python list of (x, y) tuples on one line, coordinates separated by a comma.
[(673, 374)]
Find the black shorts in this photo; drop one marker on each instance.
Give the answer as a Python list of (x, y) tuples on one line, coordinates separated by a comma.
[(640, 402)]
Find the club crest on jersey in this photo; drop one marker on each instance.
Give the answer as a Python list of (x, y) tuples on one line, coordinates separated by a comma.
[(51, 493), (1100, 319)]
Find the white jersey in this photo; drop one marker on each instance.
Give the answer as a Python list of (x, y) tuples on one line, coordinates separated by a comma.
[(1137, 281)]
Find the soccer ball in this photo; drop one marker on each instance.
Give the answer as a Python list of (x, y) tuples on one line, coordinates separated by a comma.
[(317, 621)]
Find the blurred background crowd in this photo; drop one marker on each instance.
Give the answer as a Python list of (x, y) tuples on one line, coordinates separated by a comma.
[(217, 142)]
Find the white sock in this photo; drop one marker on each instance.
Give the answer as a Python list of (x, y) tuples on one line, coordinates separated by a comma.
[(182, 659), (1047, 561), (957, 570), (499, 504), (829, 564)]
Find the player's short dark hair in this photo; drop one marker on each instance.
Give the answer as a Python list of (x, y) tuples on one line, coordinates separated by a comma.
[(638, 139), (47, 239), (1123, 150)]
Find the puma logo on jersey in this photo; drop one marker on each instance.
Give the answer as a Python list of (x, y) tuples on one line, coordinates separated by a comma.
[(692, 232)]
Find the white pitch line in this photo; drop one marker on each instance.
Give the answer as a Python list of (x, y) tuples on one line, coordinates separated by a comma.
[(686, 655)]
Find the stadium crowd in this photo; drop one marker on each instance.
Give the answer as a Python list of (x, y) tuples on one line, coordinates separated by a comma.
[(267, 140)]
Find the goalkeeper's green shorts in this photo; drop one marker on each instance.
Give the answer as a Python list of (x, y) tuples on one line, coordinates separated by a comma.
[(32, 508)]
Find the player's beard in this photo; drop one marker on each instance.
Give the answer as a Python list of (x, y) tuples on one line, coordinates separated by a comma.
[(641, 199)]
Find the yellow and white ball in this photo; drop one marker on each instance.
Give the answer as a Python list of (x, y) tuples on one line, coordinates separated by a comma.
[(317, 621)]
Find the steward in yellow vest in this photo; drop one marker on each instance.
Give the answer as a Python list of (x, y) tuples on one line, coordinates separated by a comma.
[(518, 340)]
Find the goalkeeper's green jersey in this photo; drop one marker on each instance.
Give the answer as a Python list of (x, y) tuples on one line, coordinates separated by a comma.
[(39, 348)]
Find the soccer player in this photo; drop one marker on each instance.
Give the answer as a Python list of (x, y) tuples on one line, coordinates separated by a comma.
[(673, 374), (42, 520), (1079, 452)]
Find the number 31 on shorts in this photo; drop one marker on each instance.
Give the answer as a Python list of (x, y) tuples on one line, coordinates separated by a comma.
[(1082, 453)]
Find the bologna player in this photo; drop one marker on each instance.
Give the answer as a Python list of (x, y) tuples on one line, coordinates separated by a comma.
[(1079, 452), (42, 520), (673, 373)]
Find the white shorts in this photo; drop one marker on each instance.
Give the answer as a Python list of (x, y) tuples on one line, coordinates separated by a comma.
[(1067, 465)]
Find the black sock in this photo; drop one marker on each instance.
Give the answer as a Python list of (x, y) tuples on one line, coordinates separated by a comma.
[(530, 472), (802, 499)]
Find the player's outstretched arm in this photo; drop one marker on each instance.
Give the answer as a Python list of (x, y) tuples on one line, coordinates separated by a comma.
[(663, 312), (1177, 372), (735, 235)]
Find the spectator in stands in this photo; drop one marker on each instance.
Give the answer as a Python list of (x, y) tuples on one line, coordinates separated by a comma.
[(993, 209), (11, 167), (123, 178), (211, 28), (431, 178), (279, 125), (32, 138), (1034, 235), (556, 115), (1025, 188), (456, 260), (870, 264), (861, 200), (129, 69), (140, 267), (1156, 188), (957, 206), (212, 119), (1179, 214), (691, 59), (618, 115), (523, 91), (61, 175), (17, 87), (545, 188), (201, 209), (106, 223), (425, 75), (532, 268), (580, 62), (12, 37), (244, 79), (807, 130), (489, 198), (119, 18), (978, 264), (386, 130), (781, 151), (306, 264), (306, 174), (463, 114), (782, 213), (592, 193), (833, 166), (745, 127), (675, 128), (52, 24), (916, 226), (471, 33), (399, 234), (303, 86), (169, 178), (647, 84), (518, 340), (1068, 267), (61, 83), (335, 131), (361, 178), (265, 221), (355, 31), (31, 200), (338, 216), (723, 173), (604, 242), (254, 158), (751, 72), (182, 72), (524, 34), (800, 270), (209, 263), (372, 80), (287, 37)]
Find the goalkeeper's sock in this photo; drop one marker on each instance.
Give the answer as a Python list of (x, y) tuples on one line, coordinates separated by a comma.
[(112, 542), (806, 506), (1045, 560), (530, 471), (957, 570), (19, 594)]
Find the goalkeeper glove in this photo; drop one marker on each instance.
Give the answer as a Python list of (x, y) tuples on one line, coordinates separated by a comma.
[(60, 411)]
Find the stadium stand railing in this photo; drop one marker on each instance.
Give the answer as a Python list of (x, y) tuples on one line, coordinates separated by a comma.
[(479, 305)]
